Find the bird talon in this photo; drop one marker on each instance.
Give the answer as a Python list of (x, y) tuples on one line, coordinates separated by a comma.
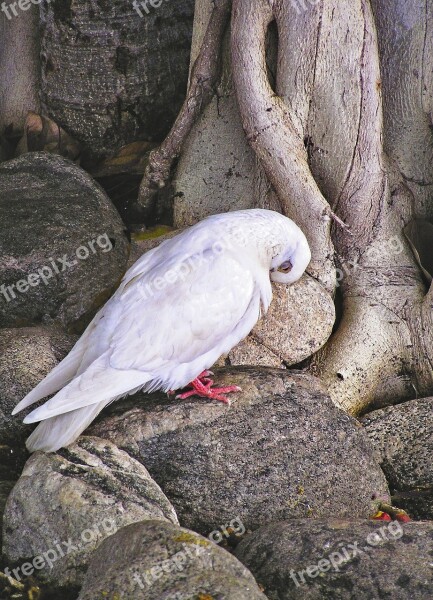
[(185, 395), (202, 387), (205, 373), (221, 398)]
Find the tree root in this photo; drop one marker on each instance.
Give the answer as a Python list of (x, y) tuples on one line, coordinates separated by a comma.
[(271, 133), (375, 341), (203, 78)]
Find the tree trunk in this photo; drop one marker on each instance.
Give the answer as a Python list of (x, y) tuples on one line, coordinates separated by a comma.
[(317, 134), (19, 66), (111, 74)]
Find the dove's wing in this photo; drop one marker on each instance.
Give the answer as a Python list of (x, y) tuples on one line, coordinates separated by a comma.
[(202, 307), (96, 339), (164, 329)]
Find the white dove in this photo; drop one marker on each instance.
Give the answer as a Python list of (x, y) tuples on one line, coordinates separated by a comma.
[(177, 310)]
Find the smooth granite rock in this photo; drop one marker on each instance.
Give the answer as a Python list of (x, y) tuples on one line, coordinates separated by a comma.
[(281, 450), (70, 501), (154, 560), (317, 559), (63, 247), (402, 437)]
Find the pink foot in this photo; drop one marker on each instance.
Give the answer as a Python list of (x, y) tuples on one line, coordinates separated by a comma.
[(203, 378), (202, 387)]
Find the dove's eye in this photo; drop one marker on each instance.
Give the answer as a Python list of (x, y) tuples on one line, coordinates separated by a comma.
[(285, 267)]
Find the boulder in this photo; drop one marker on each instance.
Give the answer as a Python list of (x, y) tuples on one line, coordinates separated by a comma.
[(5, 489), (313, 559), (280, 450), (27, 355), (292, 330), (63, 246), (154, 560), (65, 504), (402, 437)]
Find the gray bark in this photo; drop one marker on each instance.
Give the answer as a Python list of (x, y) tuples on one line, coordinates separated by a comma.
[(405, 36), (111, 76), (205, 73), (319, 134), (19, 67)]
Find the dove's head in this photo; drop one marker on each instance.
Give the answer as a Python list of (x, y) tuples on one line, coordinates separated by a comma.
[(290, 263)]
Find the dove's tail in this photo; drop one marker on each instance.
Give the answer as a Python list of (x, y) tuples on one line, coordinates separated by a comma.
[(77, 361), (62, 374), (60, 431), (74, 407)]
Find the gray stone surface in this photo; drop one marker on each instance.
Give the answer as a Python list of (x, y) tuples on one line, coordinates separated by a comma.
[(80, 495), (402, 437), (111, 75), (281, 450), (309, 559), (292, 330), (54, 212), (5, 489), (27, 355), (159, 561)]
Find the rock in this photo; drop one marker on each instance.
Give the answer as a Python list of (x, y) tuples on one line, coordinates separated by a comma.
[(70, 501), (153, 560), (27, 355), (281, 450), (5, 489), (127, 75), (309, 559), (402, 437), (292, 330), (56, 218)]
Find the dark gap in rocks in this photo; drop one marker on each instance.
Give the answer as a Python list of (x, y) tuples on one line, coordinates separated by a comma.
[(338, 302)]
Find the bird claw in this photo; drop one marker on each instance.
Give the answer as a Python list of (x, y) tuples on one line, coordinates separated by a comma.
[(205, 373), (202, 387)]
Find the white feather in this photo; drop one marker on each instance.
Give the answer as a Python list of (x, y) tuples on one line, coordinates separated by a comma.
[(179, 307)]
